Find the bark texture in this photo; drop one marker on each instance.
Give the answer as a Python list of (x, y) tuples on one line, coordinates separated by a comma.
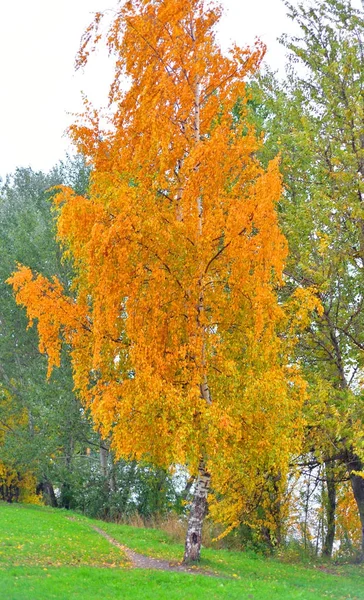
[(357, 484), (197, 515), (330, 511)]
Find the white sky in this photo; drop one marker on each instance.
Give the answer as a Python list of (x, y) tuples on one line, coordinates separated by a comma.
[(39, 89)]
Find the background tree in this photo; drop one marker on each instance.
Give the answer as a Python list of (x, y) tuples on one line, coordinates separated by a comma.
[(54, 420), (173, 318), (315, 119)]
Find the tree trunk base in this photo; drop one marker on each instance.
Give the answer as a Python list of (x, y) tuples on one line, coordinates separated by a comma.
[(197, 515)]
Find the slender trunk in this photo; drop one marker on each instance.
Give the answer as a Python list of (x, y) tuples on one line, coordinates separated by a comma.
[(197, 515), (357, 484), (276, 509), (199, 504), (305, 511), (320, 532), (107, 467), (330, 511), (104, 452), (66, 496)]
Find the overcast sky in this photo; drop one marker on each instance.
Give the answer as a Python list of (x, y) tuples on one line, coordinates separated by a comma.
[(39, 89)]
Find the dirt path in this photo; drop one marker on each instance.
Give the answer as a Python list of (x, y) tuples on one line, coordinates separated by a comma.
[(139, 561)]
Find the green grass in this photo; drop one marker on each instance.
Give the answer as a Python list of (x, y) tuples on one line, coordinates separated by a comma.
[(39, 536), (44, 555)]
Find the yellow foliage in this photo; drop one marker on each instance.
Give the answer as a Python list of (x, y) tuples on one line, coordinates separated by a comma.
[(347, 518), (18, 487)]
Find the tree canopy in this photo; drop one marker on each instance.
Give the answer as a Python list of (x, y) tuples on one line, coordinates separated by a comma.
[(315, 118), (173, 323)]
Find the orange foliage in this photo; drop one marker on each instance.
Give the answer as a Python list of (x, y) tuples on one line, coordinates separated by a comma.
[(173, 320)]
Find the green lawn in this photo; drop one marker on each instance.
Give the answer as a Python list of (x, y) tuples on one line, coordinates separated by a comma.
[(45, 555)]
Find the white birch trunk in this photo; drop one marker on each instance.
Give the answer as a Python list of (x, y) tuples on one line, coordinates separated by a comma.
[(197, 515), (199, 504)]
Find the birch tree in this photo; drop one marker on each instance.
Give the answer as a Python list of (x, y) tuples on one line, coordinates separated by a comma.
[(173, 321)]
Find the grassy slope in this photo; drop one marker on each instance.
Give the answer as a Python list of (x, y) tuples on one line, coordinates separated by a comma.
[(44, 555)]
